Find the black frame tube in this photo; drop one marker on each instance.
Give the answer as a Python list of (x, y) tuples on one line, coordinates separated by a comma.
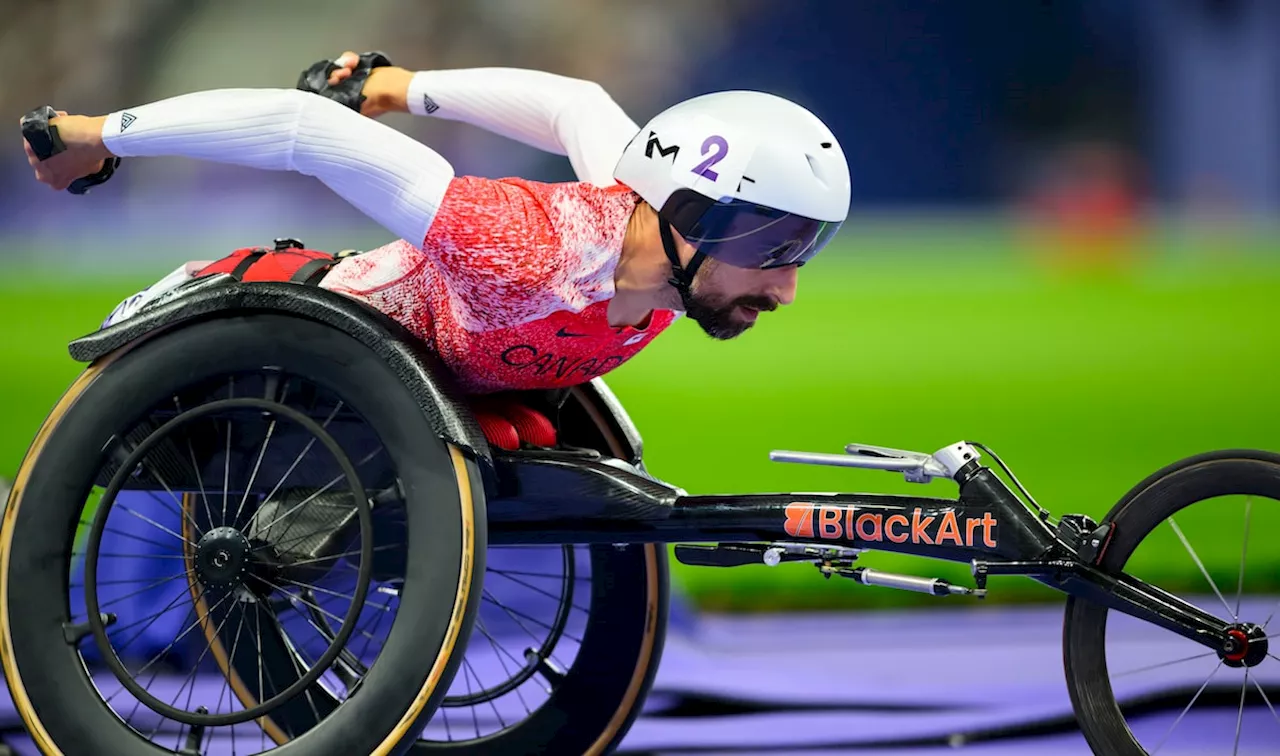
[(987, 526), (950, 529)]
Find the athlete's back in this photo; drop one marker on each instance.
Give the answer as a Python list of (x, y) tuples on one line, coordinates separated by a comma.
[(512, 283)]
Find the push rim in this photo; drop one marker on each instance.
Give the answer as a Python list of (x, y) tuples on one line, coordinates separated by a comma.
[(232, 552)]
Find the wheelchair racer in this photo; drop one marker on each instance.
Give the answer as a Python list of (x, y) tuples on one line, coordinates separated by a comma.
[(708, 211)]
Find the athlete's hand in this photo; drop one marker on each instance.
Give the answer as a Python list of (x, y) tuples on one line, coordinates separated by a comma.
[(371, 84), (84, 154)]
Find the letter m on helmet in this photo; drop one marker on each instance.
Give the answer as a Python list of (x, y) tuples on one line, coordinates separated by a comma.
[(654, 143)]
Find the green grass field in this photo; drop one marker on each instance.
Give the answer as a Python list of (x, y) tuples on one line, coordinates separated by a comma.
[(1083, 383)]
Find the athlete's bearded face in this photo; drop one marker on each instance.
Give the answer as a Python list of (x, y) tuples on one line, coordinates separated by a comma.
[(725, 300)]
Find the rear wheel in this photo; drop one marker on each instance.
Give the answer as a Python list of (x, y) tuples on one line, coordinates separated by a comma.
[(1137, 688), (566, 644), (587, 688), (277, 475)]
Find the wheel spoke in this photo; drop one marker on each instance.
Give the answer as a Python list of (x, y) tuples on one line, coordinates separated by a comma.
[(257, 465), (548, 575), (515, 615), (318, 589), (296, 660), (257, 644), (501, 722), (129, 581), (1240, 717), (536, 589), (142, 556), (196, 666), (1271, 616), (466, 676), (183, 634), (155, 524), (226, 470), (149, 622), (1200, 564), (292, 597), (1266, 700), (303, 453), (190, 610), (1188, 708), (1244, 549), (144, 589), (327, 486), (180, 510), (195, 467), (315, 560), (497, 651), (190, 679), (516, 612), (348, 596), (122, 534), (355, 669), (371, 634), (444, 715), (1150, 667)]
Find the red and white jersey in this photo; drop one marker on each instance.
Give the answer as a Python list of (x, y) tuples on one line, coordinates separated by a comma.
[(508, 280), (512, 283)]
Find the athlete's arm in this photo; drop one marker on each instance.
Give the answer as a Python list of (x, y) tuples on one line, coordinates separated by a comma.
[(392, 178), (557, 114)]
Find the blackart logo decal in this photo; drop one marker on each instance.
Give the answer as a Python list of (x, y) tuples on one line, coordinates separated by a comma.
[(924, 527), (126, 120)]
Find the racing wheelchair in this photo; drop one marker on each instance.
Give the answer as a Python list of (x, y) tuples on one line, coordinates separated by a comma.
[(332, 531)]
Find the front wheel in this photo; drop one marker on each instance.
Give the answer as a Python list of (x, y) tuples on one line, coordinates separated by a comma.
[(1207, 525)]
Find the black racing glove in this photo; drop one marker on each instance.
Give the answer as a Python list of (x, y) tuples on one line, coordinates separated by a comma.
[(348, 92)]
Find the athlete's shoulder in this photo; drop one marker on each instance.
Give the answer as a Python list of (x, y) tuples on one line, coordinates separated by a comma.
[(554, 196), (526, 214), (513, 249)]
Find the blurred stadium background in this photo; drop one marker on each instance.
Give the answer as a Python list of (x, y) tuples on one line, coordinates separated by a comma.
[(1063, 241)]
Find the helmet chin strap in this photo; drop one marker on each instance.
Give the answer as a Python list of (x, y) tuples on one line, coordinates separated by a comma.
[(681, 277)]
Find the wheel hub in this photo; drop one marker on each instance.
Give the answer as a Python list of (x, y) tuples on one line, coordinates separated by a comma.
[(222, 558), (1245, 646)]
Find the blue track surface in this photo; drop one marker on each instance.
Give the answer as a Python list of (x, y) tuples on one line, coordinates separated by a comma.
[(988, 680)]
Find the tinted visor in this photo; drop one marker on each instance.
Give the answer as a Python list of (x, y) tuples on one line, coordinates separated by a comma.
[(744, 234)]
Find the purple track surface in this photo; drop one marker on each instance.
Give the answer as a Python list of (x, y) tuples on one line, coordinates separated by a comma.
[(907, 683)]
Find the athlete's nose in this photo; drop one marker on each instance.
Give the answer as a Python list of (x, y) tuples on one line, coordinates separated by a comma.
[(783, 286)]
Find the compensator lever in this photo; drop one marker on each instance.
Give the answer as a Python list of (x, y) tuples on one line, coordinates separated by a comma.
[(916, 467), (932, 586)]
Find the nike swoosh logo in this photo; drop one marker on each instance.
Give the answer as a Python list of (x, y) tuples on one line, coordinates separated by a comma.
[(565, 334)]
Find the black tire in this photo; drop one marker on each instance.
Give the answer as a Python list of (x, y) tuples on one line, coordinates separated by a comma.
[(1137, 514), (603, 690), (597, 701), (58, 702)]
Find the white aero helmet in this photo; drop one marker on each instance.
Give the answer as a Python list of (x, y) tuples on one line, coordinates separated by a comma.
[(748, 178)]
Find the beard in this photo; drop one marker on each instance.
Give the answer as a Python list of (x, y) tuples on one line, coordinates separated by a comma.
[(718, 315)]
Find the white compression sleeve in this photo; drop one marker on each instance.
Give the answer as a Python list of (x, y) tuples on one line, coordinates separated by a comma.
[(389, 176), (554, 113)]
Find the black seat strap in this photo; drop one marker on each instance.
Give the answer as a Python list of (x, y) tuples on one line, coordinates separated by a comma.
[(312, 273), (247, 262)]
